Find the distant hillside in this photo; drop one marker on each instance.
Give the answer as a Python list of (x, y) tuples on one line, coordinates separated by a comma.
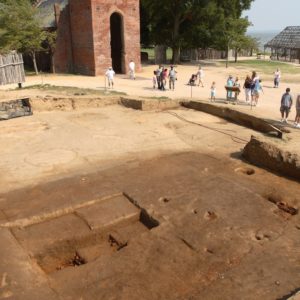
[(263, 36)]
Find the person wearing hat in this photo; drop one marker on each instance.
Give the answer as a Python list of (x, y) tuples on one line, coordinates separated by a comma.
[(110, 73)]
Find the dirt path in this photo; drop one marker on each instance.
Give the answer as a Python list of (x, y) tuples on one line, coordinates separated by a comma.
[(142, 86)]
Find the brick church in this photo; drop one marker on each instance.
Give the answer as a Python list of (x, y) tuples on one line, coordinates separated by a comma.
[(93, 35)]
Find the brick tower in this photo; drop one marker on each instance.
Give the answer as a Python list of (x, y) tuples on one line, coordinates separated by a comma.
[(96, 34)]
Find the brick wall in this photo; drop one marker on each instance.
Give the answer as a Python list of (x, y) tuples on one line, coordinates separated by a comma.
[(63, 57), (83, 43), (129, 10)]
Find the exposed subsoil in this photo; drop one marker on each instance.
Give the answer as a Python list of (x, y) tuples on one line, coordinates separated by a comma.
[(112, 203), (223, 233)]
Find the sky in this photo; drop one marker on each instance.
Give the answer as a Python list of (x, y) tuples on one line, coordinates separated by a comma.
[(275, 15)]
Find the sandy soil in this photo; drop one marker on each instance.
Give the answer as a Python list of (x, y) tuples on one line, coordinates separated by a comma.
[(99, 201), (142, 86)]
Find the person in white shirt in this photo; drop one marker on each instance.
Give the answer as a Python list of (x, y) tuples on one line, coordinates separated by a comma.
[(110, 73), (277, 76), (200, 75), (132, 69)]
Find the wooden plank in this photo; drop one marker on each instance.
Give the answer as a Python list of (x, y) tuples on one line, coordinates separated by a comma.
[(11, 68)]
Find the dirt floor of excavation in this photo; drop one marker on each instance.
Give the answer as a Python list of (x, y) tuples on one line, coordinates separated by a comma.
[(113, 203)]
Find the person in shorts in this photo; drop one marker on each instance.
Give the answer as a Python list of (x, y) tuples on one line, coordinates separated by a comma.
[(213, 92), (256, 92), (286, 104), (297, 119), (110, 73)]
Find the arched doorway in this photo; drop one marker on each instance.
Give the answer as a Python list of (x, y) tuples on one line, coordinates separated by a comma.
[(117, 42)]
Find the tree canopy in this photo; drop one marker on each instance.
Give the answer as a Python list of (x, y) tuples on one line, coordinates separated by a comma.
[(194, 23), (20, 28)]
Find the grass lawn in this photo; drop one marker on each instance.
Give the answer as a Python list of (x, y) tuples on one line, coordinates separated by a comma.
[(266, 67), (150, 52)]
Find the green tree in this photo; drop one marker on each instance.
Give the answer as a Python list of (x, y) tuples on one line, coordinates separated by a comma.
[(168, 21), (20, 28), (195, 23), (50, 46), (244, 42), (232, 34)]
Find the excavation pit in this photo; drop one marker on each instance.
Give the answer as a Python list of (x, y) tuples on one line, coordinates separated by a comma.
[(81, 237), (94, 242)]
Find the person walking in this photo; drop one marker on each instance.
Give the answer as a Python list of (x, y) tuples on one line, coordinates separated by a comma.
[(172, 78), (277, 76), (254, 85), (247, 87), (157, 72), (256, 92), (286, 104), (297, 119), (200, 75), (110, 73)]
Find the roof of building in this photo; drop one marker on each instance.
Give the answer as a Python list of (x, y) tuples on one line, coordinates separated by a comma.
[(288, 38), (46, 11)]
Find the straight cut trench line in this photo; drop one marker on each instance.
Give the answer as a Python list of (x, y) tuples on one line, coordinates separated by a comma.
[(55, 214)]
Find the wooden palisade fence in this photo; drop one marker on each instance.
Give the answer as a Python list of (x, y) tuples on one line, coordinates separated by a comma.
[(11, 68)]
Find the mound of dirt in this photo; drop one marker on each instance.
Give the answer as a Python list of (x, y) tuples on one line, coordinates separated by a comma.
[(268, 155)]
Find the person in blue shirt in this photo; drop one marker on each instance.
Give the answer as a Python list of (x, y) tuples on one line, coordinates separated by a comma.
[(229, 83)]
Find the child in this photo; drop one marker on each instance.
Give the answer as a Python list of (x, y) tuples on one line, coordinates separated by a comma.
[(192, 79), (229, 83), (213, 92), (236, 84), (154, 80), (110, 73)]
